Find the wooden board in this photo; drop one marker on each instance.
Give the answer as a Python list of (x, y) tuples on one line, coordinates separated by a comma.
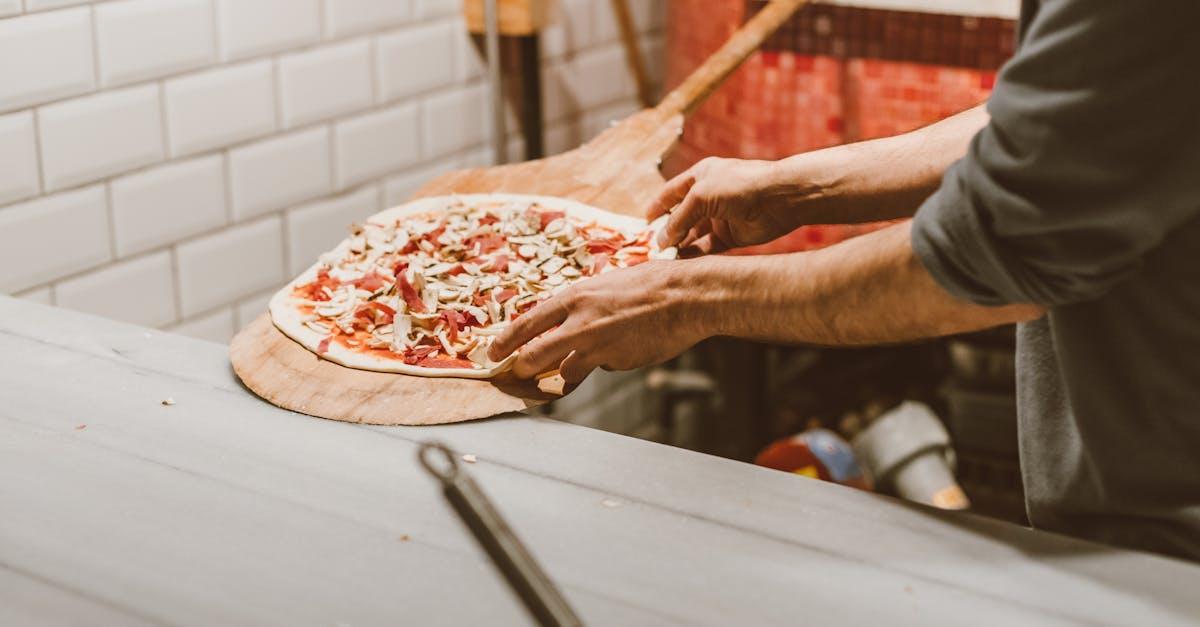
[(515, 17), (617, 171)]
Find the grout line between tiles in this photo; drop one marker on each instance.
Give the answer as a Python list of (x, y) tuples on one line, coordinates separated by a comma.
[(95, 31), (167, 152), (109, 213), (37, 150), (274, 54), (214, 15)]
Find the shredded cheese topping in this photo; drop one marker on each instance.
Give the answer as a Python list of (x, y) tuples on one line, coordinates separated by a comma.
[(435, 289)]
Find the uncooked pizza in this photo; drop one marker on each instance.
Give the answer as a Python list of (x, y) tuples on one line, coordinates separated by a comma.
[(425, 288)]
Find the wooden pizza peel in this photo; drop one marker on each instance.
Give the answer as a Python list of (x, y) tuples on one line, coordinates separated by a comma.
[(617, 171)]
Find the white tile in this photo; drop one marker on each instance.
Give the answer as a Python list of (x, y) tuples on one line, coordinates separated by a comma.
[(45, 56), (399, 189), (317, 228), (141, 291), (468, 60), (454, 120), (220, 107), (140, 39), (253, 307), (41, 295), (216, 326), (572, 30), (557, 100), (232, 264), (349, 17), (42, 5), (324, 82), (90, 138), (248, 28), (52, 237), (375, 144), (167, 203), (18, 175), (280, 171), (9, 7), (426, 9), (415, 60), (598, 77)]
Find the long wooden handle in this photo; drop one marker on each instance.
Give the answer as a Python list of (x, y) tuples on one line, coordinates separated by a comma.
[(723, 62)]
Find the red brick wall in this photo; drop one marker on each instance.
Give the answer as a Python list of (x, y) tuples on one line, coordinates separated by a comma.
[(831, 75)]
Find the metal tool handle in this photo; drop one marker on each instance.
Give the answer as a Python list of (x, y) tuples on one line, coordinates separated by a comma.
[(523, 573)]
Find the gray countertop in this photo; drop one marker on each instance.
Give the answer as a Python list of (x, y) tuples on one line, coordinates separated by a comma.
[(221, 509)]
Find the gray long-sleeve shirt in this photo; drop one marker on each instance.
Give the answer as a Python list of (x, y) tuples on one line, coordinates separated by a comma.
[(1083, 194)]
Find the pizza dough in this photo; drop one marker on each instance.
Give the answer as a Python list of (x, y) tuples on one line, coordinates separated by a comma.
[(423, 288)]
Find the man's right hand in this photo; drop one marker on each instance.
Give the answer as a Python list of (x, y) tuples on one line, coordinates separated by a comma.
[(726, 203)]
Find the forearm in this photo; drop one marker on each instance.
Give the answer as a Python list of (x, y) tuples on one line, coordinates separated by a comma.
[(869, 290), (880, 179)]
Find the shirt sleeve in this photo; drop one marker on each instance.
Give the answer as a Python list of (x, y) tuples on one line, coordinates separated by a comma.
[(1088, 163)]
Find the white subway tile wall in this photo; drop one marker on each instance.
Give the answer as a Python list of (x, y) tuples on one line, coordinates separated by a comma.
[(350, 17), (252, 27), (42, 5), (271, 174), (249, 309), (324, 82), (18, 154), (314, 229), (454, 120), (214, 326), (218, 108), (156, 207), (223, 267), (140, 290), (172, 162), (415, 60), (52, 237), (40, 295), (89, 138), (180, 32), (46, 56), (375, 144)]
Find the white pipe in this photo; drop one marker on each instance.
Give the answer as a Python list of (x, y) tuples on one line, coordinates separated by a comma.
[(491, 18)]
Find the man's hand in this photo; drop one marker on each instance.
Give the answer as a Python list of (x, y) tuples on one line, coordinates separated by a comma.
[(725, 203), (619, 320), (868, 290)]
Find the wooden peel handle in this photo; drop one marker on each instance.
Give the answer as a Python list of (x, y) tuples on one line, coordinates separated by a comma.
[(693, 90)]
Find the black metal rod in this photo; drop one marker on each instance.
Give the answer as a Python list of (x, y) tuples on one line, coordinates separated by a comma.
[(520, 569), (530, 60)]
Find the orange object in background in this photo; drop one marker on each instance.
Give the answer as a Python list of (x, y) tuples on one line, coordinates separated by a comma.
[(831, 75), (818, 454)]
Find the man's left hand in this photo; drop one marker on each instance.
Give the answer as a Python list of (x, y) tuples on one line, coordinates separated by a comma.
[(619, 320)]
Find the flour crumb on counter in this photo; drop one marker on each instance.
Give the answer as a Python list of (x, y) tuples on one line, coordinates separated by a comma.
[(469, 458), (610, 503)]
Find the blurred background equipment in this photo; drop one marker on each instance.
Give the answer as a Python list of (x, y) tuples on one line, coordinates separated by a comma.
[(817, 454), (907, 451)]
